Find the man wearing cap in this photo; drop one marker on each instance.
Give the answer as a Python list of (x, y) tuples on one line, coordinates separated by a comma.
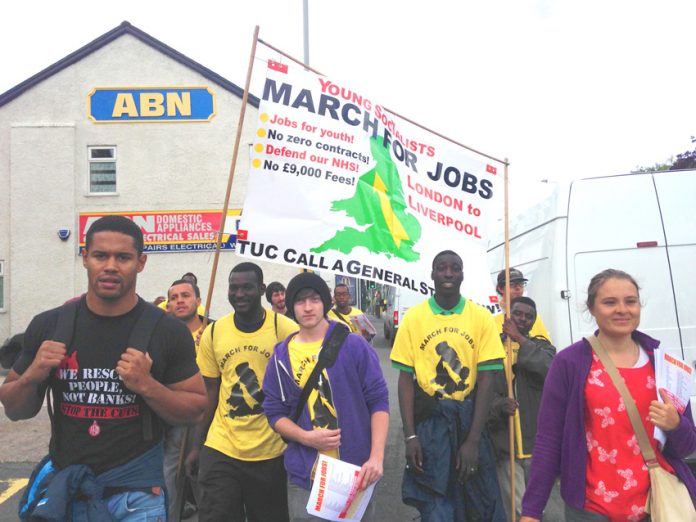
[(446, 347), (517, 284), (346, 415), (241, 475)]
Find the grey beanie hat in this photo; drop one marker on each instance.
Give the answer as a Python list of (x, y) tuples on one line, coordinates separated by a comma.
[(307, 280)]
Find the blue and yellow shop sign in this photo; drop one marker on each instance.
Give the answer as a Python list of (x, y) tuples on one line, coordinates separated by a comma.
[(150, 104)]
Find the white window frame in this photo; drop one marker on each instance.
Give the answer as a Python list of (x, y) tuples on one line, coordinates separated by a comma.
[(91, 160), (2, 285)]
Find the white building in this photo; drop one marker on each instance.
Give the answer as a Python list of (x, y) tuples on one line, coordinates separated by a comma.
[(124, 124)]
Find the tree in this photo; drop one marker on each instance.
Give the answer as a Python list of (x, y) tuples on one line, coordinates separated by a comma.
[(685, 160)]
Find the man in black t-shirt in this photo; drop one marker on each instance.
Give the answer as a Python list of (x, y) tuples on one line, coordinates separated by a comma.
[(104, 390)]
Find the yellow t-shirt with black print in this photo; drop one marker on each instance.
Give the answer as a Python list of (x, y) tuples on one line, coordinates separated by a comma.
[(322, 412), (346, 318), (239, 428), (538, 330), (447, 348)]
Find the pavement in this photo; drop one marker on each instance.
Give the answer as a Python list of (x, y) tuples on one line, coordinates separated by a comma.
[(24, 443)]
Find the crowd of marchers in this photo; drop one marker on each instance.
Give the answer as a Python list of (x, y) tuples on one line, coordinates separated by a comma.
[(158, 411)]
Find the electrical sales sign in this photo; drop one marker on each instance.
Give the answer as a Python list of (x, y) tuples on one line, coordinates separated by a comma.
[(150, 104), (175, 230)]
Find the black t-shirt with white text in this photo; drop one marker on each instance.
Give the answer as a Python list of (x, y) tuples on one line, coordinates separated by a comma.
[(98, 420)]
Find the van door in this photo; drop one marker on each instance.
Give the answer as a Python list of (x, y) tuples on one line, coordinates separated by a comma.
[(676, 192), (611, 223)]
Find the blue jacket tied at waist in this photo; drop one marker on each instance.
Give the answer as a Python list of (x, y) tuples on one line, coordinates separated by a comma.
[(441, 436), (52, 492)]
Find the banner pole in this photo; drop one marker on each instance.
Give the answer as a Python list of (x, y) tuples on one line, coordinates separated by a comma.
[(230, 178), (508, 349)]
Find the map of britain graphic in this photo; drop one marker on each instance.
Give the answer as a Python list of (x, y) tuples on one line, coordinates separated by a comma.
[(379, 205)]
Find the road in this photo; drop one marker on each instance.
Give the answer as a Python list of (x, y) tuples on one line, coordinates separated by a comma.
[(22, 444)]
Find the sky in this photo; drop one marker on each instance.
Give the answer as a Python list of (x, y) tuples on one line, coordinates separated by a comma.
[(562, 89)]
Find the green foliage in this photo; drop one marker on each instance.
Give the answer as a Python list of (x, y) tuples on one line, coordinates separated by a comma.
[(655, 168), (685, 160)]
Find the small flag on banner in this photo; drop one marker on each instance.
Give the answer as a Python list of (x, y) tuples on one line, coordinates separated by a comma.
[(493, 299), (242, 234), (491, 169), (277, 66)]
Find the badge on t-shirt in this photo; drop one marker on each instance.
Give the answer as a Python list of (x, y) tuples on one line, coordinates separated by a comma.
[(94, 430)]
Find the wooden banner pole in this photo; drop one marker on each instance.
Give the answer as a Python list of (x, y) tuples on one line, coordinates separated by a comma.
[(230, 179), (508, 349)]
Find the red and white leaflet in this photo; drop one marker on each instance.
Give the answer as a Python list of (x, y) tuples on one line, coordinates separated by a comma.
[(335, 491), (677, 379)]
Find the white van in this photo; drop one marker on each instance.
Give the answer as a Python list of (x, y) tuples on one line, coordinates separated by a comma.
[(644, 224), (398, 301)]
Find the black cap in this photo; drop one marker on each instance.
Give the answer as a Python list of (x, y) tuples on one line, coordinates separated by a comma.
[(307, 280), (515, 276)]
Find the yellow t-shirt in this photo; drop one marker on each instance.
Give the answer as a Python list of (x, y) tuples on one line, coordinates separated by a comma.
[(322, 412), (538, 329), (239, 428), (446, 349), (353, 311)]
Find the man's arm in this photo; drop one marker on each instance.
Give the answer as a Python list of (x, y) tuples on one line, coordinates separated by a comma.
[(178, 403), (468, 454), (372, 470), (22, 395), (414, 452), (535, 357), (321, 439)]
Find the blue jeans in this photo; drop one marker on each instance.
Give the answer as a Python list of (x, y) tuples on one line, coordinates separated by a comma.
[(130, 506)]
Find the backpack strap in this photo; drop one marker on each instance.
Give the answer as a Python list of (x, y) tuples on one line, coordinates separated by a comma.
[(139, 339), (327, 357), (65, 327), (341, 317), (63, 333), (145, 325)]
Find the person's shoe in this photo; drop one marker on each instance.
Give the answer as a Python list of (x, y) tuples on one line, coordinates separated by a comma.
[(189, 510)]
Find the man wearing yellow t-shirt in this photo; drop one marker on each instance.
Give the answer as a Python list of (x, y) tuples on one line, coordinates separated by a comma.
[(517, 284), (184, 298), (343, 311), (346, 412), (241, 474), (188, 277), (445, 347)]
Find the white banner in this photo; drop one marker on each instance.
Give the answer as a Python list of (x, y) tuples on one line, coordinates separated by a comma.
[(339, 184)]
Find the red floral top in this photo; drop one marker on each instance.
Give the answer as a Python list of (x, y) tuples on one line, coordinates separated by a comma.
[(617, 479)]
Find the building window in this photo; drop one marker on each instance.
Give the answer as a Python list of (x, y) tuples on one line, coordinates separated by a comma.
[(2, 285), (102, 170)]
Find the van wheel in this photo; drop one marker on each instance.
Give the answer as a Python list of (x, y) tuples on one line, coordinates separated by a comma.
[(386, 331)]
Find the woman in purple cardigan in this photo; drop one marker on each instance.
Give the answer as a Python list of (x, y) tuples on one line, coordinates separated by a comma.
[(585, 434)]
